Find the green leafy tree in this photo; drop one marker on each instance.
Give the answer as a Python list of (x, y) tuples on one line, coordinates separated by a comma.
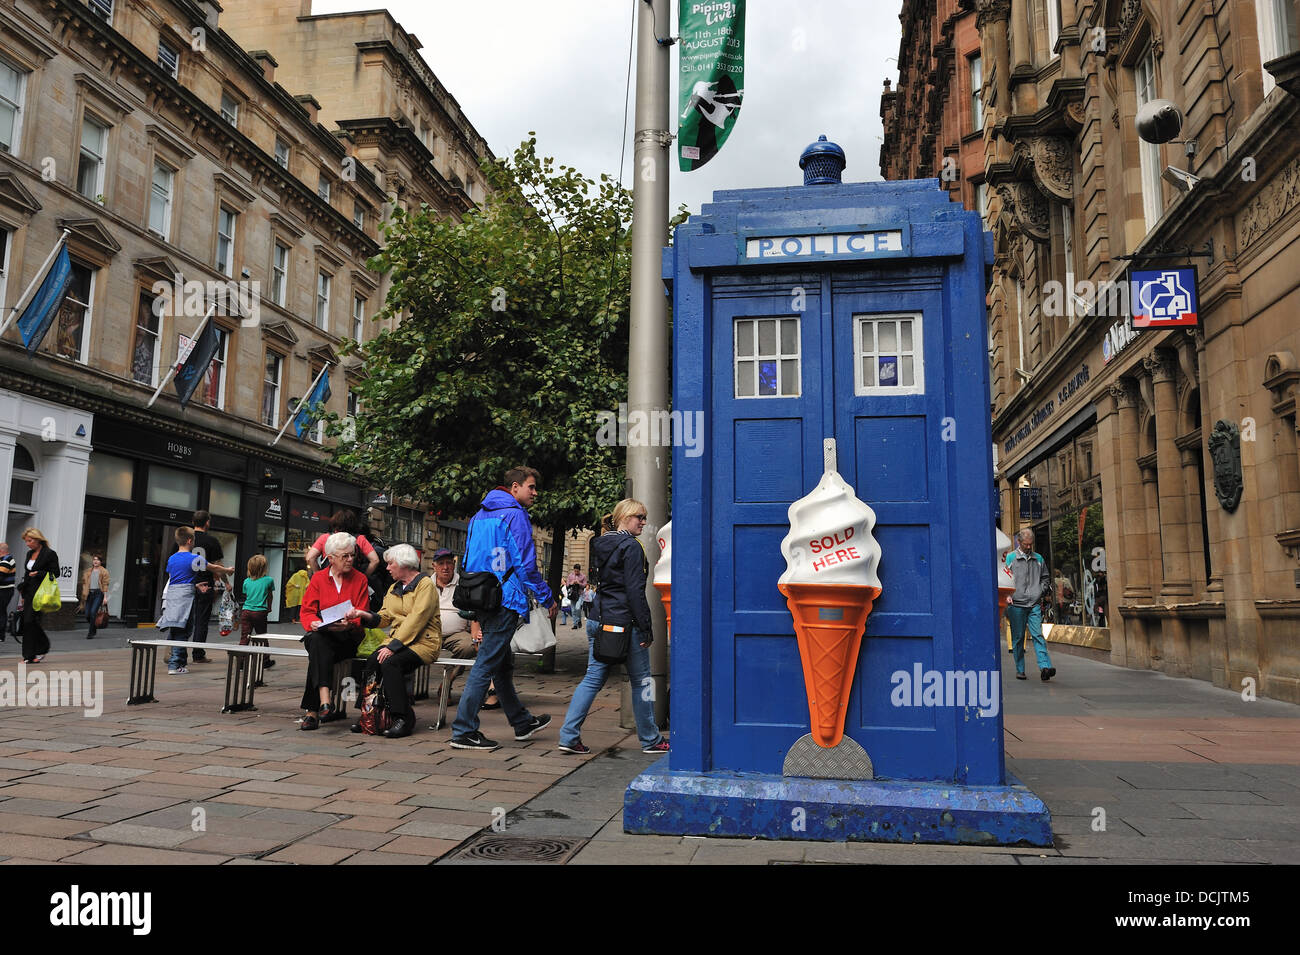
[(512, 337)]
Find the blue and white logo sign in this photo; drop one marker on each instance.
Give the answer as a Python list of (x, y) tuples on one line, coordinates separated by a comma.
[(1164, 298)]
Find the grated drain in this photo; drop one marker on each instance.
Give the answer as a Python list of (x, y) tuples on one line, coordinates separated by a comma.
[(495, 848)]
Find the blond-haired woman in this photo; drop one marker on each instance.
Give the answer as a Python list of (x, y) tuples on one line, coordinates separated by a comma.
[(41, 560), (620, 567)]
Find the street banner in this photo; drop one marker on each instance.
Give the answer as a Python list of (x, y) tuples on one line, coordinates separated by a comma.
[(307, 411), (194, 366), (1083, 519), (711, 81), (36, 319)]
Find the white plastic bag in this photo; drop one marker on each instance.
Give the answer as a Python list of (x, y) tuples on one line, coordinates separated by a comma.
[(536, 635)]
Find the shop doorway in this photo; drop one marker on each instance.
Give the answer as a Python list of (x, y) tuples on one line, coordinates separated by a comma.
[(107, 537)]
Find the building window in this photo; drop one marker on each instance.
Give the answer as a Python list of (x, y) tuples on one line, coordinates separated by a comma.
[(281, 153), (1020, 323), (353, 403), (13, 84), (102, 9), (22, 484), (144, 358), (279, 274), (982, 199), (6, 238), (230, 109), (271, 390), (1144, 76), (359, 216), (323, 188), (358, 317), (213, 390), (169, 59), (160, 200), (225, 263), (890, 359), (72, 338), (1053, 25), (90, 165), (767, 358), (976, 99), (323, 282), (1067, 248), (1275, 20)]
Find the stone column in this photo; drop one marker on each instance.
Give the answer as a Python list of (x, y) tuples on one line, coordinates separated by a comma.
[(1194, 489), (1177, 583), (1109, 447), (1135, 575), (991, 20), (1022, 47)]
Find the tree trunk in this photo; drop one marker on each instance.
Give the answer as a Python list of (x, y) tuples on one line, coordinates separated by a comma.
[(554, 579)]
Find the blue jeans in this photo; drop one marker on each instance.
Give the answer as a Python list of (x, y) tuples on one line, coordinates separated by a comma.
[(638, 673), (495, 664), (94, 600), (1033, 616), (196, 631), (564, 614)]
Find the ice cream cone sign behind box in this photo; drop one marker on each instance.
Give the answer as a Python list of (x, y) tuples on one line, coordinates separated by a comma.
[(830, 584), (1002, 573), (663, 580)]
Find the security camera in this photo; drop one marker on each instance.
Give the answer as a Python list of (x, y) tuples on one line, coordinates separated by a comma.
[(1180, 179), (1159, 121)]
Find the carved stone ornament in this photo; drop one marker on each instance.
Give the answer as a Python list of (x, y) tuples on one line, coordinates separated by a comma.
[(1128, 15), (1027, 207), (1124, 392), (1270, 204), (991, 11), (1225, 450), (1160, 365), (1053, 165), (1075, 115)]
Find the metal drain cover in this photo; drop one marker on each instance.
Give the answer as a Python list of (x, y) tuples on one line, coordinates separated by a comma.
[(497, 848)]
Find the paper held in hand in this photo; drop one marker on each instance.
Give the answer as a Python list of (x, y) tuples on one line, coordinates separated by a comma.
[(335, 614)]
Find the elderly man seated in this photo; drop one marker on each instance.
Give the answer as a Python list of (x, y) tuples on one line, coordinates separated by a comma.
[(460, 637), (332, 594), (410, 608)]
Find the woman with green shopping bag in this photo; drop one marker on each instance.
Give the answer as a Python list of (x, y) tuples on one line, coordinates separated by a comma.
[(42, 563)]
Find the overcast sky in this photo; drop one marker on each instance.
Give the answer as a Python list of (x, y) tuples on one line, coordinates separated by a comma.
[(560, 67)]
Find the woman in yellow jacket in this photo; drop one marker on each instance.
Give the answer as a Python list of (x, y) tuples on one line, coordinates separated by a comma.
[(294, 588), (411, 608)]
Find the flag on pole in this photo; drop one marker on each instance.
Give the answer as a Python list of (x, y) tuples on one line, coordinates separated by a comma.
[(39, 314), (192, 367), (1083, 519), (307, 409), (711, 83)]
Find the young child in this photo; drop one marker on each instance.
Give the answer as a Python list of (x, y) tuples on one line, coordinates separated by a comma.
[(178, 601), (257, 589)]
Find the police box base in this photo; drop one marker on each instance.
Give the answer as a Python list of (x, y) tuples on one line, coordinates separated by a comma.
[(750, 805)]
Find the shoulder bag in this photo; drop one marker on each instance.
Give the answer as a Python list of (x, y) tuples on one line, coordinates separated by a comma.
[(478, 593)]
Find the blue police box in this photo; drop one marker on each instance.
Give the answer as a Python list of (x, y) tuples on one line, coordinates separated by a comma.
[(852, 312)]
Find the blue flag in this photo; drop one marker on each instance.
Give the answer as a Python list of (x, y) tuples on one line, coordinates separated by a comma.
[(40, 311), (190, 374), (315, 401)]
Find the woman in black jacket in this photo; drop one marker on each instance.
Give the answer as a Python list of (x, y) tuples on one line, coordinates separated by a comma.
[(41, 561), (620, 567)]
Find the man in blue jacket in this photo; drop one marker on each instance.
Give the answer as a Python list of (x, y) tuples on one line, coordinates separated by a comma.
[(501, 540)]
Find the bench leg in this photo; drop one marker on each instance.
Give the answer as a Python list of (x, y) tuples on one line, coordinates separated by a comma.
[(442, 697), (342, 671), (239, 683), (259, 661), (422, 682), (142, 675)]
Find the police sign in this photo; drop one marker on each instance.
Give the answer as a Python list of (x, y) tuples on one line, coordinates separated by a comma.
[(823, 244)]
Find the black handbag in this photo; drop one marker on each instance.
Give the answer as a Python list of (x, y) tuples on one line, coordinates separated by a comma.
[(479, 593), (612, 644)]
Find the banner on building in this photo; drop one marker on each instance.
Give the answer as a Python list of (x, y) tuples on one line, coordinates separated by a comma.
[(711, 77), (195, 361), (39, 314), (313, 405)]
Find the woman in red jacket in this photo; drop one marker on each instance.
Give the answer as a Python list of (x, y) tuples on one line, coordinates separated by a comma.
[(338, 585)]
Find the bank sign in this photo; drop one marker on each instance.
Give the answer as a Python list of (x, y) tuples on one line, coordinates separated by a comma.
[(820, 245), (1164, 298)]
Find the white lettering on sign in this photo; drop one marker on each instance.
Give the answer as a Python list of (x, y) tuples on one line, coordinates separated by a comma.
[(838, 243)]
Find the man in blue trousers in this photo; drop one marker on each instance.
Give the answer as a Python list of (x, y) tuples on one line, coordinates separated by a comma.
[(1026, 609), (501, 540)]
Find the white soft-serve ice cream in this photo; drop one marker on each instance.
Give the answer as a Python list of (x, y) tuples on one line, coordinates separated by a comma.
[(1006, 584), (830, 584), (663, 575)]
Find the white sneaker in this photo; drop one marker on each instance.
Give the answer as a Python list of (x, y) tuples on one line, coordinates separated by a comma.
[(174, 671)]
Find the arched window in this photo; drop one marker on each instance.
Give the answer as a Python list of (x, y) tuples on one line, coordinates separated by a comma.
[(22, 486)]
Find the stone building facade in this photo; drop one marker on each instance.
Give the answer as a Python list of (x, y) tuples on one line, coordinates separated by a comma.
[(1157, 467), (934, 121), (184, 168)]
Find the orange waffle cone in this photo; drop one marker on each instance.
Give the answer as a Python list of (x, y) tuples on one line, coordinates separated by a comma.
[(666, 595), (829, 620)]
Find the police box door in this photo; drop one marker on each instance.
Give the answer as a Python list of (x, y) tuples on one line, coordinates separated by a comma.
[(814, 356)]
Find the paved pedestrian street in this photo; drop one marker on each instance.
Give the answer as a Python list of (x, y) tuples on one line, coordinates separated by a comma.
[(1136, 767)]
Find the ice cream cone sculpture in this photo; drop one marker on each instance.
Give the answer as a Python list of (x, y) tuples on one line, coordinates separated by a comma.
[(663, 579), (830, 584), (1006, 584)]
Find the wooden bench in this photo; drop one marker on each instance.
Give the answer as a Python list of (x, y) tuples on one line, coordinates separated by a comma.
[(239, 670)]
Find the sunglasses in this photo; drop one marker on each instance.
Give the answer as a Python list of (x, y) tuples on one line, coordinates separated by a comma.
[(639, 517)]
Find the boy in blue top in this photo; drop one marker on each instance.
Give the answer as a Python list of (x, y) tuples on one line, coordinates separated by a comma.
[(183, 579), (501, 540)]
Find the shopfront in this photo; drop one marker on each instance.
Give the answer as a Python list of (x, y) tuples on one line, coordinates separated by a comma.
[(142, 485)]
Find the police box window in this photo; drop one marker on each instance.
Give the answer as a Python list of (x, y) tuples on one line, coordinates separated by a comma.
[(889, 356), (767, 357)]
